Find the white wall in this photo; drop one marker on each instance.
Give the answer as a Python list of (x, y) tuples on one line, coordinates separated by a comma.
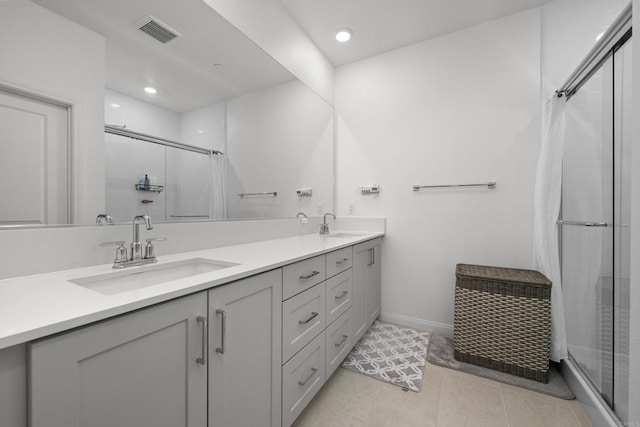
[(462, 108), (279, 139), (270, 26), (634, 355), (74, 75)]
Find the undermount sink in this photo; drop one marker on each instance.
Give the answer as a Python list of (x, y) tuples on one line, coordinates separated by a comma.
[(341, 235), (142, 277)]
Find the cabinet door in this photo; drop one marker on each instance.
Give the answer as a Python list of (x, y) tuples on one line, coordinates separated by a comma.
[(245, 342), (140, 369), (373, 283), (361, 257), (366, 286)]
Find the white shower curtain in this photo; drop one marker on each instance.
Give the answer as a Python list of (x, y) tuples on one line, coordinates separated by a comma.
[(218, 205), (547, 193)]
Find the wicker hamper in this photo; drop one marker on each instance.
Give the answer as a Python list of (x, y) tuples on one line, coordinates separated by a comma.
[(502, 320)]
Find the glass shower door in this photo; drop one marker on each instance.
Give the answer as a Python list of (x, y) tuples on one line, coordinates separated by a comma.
[(587, 234), (595, 235)]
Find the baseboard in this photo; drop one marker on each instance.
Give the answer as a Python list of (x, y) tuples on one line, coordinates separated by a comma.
[(412, 322), (594, 407)]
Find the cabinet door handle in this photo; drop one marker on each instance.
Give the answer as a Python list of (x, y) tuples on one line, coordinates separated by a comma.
[(339, 343), (205, 340), (303, 383), (308, 319), (223, 326), (372, 256), (310, 275), (340, 261), (342, 295)]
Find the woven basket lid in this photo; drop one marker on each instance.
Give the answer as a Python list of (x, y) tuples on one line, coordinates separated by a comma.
[(502, 274)]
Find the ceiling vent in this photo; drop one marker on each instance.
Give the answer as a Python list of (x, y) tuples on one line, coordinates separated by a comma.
[(157, 29)]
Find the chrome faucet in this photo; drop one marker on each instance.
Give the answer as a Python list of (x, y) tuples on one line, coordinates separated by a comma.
[(136, 246), (324, 227), (136, 257)]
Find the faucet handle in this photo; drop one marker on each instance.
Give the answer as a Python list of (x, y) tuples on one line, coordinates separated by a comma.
[(149, 251), (121, 251)]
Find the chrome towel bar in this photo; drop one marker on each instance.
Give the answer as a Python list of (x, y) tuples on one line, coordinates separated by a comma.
[(582, 223), (490, 185), (266, 193)]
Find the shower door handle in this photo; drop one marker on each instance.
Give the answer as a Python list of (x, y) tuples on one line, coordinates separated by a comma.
[(582, 223)]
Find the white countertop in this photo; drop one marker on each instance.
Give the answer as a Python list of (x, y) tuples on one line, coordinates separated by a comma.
[(33, 307)]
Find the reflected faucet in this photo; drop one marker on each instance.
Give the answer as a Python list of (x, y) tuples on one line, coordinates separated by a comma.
[(324, 227), (104, 219), (136, 246)]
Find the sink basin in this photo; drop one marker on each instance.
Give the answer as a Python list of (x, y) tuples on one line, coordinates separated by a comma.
[(343, 235), (142, 277)]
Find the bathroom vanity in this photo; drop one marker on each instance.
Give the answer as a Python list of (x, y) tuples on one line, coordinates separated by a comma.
[(247, 343)]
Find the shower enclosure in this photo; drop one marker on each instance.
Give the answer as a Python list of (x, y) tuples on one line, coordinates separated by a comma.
[(595, 238), (184, 182)]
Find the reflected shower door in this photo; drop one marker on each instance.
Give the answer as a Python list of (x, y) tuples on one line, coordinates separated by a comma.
[(595, 232), (188, 185)]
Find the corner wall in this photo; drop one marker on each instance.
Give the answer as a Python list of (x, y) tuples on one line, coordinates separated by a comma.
[(634, 304), (270, 26), (462, 108)]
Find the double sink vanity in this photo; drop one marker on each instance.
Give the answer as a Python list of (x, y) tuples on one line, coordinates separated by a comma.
[(243, 335)]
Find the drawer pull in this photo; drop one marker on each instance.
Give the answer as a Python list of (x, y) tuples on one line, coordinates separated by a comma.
[(303, 383), (308, 319), (339, 343), (340, 261), (310, 275), (342, 295)]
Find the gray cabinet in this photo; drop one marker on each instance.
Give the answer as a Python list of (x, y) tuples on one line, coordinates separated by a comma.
[(245, 341), (144, 369), (366, 286)]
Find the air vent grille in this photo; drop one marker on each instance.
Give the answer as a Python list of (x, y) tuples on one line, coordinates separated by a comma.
[(157, 29)]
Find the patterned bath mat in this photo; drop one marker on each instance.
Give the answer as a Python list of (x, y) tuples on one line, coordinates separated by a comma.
[(392, 354)]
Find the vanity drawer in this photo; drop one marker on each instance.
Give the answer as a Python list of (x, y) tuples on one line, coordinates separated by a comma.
[(302, 377), (339, 338), (302, 275), (338, 261), (303, 317), (339, 295)]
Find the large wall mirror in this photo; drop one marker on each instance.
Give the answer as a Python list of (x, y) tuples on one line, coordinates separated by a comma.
[(159, 107)]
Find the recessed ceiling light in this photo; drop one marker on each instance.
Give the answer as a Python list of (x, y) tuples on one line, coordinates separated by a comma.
[(200, 131), (344, 34), (150, 90), (114, 105)]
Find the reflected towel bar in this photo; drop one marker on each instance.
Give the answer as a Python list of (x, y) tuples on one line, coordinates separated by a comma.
[(189, 216), (266, 193), (582, 223), (490, 185)]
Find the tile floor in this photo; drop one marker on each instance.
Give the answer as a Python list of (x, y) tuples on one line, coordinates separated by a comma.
[(447, 398)]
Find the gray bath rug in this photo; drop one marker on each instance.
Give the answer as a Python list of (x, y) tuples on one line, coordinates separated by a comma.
[(392, 354), (441, 354)]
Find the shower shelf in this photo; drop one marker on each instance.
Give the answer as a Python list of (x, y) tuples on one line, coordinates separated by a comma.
[(152, 188)]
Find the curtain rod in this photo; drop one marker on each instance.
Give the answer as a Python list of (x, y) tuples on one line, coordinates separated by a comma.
[(122, 131), (614, 37)]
